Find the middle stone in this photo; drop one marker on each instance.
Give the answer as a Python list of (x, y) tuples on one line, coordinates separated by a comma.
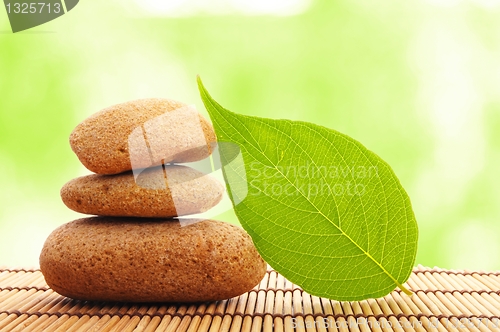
[(157, 192)]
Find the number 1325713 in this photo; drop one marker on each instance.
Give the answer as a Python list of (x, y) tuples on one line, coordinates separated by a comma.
[(33, 8)]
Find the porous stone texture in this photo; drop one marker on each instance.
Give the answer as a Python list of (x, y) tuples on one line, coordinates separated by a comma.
[(148, 260), (157, 192), (140, 134)]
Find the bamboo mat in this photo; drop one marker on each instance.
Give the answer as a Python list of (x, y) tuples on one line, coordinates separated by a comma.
[(443, 300)]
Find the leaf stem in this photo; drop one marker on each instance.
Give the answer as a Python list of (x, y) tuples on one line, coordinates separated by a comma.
[(405, 290)]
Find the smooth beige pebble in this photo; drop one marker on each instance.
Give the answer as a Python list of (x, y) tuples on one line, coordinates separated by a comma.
[(157, 192), (142, 133), (144, 260)]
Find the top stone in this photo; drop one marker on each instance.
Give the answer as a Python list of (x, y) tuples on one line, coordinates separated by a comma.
[(142, 133)]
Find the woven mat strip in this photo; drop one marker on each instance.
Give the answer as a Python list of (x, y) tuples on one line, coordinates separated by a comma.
[(443, 301)]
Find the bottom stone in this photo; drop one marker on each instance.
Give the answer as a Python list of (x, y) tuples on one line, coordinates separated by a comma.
[(150, 260)]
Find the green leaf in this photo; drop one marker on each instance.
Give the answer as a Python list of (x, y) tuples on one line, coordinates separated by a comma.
[(324, 211)]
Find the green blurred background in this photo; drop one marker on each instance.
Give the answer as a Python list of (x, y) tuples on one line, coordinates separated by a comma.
[(417, 82)]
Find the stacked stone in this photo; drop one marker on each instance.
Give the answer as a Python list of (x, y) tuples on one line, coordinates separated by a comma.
[(134, 249)]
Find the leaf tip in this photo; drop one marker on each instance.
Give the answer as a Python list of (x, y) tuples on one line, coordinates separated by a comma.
[(201, 87)]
